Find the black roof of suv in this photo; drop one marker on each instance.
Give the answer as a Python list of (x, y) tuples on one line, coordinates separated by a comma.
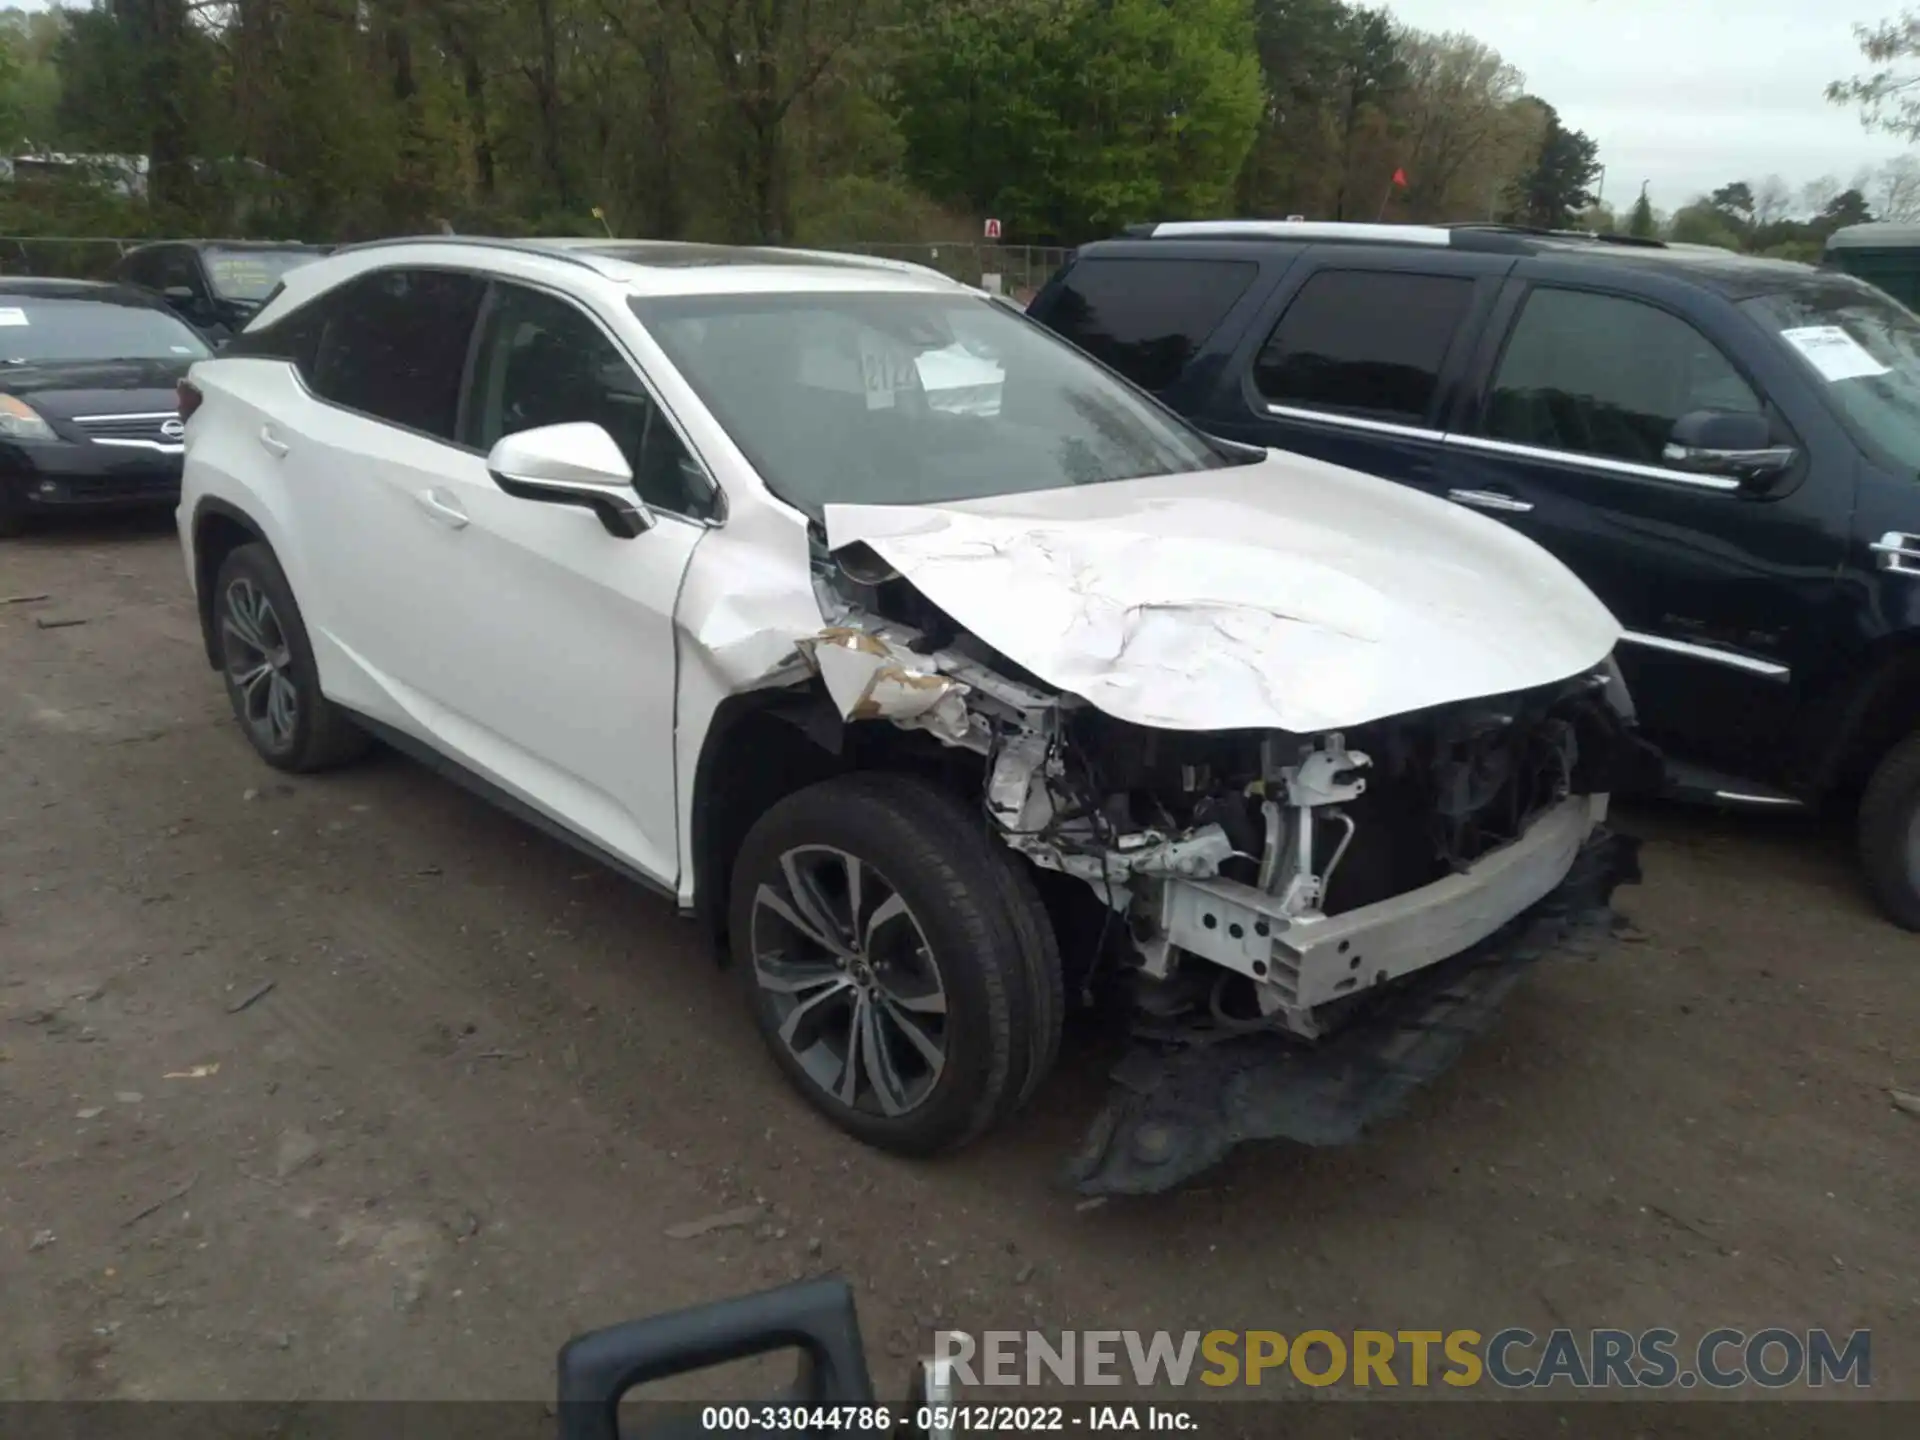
[(1735, 274)]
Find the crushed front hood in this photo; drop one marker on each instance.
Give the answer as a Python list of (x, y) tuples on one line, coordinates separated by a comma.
[(1287, 594)]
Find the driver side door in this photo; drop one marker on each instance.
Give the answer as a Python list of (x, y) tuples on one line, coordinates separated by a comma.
[(1720, 590)]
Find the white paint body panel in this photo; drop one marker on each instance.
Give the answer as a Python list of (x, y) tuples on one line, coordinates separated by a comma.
[(1288, 594)]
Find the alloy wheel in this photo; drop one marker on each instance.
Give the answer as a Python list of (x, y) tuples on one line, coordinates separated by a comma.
[(260, 664), (856, 994)]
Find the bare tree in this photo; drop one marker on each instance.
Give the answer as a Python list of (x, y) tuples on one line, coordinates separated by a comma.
[(1772, 200), (1888, 96), (1896, 189)]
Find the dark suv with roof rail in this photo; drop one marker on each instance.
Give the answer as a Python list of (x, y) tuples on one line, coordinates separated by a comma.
[(1726, 449)]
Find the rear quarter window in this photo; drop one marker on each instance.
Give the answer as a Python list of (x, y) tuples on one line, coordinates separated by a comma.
[(1146, 318), (1364, 342)]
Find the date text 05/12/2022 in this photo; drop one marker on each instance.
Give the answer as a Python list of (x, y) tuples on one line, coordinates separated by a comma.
[(946, 1419)]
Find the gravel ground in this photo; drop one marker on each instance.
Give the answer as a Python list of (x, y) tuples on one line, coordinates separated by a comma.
[(488, 1079)]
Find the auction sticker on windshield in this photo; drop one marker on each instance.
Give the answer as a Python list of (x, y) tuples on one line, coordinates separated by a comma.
[(12, 315), (1833, 352)]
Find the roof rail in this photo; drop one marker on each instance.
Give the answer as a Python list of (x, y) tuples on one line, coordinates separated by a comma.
[(1290, 230), (477, 242), (1598, 237)]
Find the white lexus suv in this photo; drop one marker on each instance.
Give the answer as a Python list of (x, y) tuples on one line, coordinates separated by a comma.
[(937, 669)]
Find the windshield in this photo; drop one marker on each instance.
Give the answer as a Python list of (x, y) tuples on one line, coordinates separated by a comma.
[(251, 274), (911, 399), (1865, 347), (33, 330)]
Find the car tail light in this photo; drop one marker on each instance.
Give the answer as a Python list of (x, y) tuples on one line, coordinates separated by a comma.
[(189, 398)]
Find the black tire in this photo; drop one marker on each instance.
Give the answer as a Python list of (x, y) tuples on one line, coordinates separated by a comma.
[(319, 734), (987, 940), (1888, 837), (13, 521)]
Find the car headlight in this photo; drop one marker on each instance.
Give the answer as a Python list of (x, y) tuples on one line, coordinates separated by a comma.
[(20, 421)]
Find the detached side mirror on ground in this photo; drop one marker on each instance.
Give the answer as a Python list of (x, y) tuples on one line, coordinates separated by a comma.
[(576, 464), (1736, 444)]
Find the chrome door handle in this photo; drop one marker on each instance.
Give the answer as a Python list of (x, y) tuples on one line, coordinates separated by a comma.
[(441, 506), (272, 443), (1490, 500), (1898, 552)]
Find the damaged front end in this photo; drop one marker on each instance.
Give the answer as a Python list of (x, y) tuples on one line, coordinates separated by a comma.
[(1307, 925)]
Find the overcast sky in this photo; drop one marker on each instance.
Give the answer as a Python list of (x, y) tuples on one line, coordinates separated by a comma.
[(1687, 94)]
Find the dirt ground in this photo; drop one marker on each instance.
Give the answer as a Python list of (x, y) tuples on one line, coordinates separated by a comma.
[(489, 1077)]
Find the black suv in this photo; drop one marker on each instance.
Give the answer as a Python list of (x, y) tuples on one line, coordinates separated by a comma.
[(1726, 449), (216, 285)]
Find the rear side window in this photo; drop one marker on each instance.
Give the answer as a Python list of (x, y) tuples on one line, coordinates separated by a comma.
[(1364, 342), (1146, 318), (394, 345)]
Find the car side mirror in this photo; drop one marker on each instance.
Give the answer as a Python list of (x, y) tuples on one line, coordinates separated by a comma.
[(576, 464), (1736, 444)]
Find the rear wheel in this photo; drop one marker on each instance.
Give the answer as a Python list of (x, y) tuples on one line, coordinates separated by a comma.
[(1889, 833), (897, 960), (272, 681)]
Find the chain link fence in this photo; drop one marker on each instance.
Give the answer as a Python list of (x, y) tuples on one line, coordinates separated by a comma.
[(1013, 270), (77, 257)]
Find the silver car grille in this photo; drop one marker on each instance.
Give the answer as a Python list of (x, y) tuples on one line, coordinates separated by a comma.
[(148, 430)]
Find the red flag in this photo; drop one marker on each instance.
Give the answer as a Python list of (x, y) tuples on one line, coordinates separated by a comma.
[(1400, 179)]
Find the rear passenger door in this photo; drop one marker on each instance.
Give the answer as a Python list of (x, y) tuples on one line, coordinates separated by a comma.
[(1357, 357)]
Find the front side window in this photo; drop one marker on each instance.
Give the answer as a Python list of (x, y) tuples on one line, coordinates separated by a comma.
[(837, 398), (394, 345), (1863, 347), (1608, 376), (1367, 343), (35, 330), (541, 361), (1146, 318)]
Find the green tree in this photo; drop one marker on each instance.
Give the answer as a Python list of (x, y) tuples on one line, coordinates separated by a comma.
[(1069, 118), (1704, 223), (1641, 224), (1559, 186)]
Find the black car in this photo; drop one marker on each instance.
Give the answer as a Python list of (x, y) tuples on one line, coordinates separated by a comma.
[(1726, 449), (216, 285), (89, 413)]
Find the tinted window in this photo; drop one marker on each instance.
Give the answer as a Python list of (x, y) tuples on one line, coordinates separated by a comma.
[(541, 361), (294, 337), (1366, 342), (176, 267), (34, 329), (1603, 375), (394, 345), (140, 268), (833, 399), (1146, 318)]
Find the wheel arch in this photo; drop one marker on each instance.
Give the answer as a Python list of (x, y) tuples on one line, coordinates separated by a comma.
[(763, 746), (219, 528), (1870, 715)]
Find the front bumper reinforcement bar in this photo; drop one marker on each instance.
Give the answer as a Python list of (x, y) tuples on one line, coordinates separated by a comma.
[(1177, 1110)]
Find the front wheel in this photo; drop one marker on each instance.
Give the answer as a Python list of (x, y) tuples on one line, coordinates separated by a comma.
[(897, 960), (1889, 833)]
